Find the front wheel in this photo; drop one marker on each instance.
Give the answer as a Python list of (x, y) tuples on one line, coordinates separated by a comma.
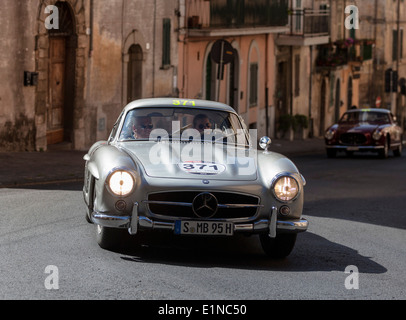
[(331, 153), (279, 247), (398, 151), (384, 153), (109, 238)]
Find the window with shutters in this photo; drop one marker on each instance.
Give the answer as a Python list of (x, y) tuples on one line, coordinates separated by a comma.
[(395, 45), (166, 43)]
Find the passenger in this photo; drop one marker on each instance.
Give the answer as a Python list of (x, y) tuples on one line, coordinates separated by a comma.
[(201, 122)]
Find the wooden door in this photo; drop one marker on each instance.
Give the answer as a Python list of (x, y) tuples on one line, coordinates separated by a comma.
[(57, 57)]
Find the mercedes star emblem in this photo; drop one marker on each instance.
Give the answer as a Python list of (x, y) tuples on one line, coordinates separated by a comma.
[(205, 205)]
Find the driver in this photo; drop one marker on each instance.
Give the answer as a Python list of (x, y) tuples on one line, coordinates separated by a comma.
[(142, 127)]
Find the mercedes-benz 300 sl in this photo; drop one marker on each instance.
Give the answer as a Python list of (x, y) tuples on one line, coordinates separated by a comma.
[(192, 168)]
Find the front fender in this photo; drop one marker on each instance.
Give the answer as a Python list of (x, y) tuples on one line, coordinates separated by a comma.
[(270, 166), (100, 163)]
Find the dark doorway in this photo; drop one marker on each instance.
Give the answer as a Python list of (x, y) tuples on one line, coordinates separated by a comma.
[(234, 81), (322, 108), (134, 85), (282, 90)]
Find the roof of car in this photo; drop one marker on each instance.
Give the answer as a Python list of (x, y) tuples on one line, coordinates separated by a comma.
[(369, 110), (179, 103)]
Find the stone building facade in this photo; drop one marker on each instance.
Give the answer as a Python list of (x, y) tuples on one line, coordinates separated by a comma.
[(69, 84)]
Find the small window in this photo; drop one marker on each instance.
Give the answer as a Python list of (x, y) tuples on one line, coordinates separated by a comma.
[(166, 43)]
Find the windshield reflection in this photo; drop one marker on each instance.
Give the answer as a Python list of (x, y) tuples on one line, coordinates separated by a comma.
[(186, 124), (365, 117)]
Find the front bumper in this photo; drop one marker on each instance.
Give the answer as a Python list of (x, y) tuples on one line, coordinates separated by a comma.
[(355, 148), (134, 222)]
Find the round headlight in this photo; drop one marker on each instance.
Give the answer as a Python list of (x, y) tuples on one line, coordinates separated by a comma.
[(377, 135), (286, 188), (121, 183), (329, 134)]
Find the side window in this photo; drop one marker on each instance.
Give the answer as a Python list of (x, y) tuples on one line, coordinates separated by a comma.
[(115, 127)]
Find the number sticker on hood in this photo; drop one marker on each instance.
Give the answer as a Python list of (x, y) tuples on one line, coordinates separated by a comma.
[(201, 167)]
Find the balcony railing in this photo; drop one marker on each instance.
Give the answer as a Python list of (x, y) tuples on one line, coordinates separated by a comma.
[(309, 23), (230, 14), (345, 51)]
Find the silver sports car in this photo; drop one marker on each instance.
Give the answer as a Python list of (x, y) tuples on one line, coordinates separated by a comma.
[(191, 167)]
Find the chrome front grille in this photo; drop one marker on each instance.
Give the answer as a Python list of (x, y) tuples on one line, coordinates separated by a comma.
[(180, 204), (353, 139)]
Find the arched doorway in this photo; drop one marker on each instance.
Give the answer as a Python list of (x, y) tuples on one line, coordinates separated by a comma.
[(61, 77), (134, 73)]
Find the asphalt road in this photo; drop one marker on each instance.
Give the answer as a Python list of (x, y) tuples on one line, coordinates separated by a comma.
[(357, 218)]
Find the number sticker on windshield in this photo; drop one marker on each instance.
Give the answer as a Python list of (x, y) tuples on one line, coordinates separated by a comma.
[(184, 103), (201, 167)]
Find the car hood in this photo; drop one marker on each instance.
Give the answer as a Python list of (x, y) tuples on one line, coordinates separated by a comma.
[(357, 128), (183, 160)]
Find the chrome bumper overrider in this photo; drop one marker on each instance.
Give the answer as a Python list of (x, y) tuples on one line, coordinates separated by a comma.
[(133, 222)]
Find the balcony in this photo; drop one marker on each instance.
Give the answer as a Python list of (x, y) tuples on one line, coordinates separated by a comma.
[(343, 52), (236, 17), (307, 27)]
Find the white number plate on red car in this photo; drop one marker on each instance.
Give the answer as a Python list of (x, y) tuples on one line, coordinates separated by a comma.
[(212, 228)]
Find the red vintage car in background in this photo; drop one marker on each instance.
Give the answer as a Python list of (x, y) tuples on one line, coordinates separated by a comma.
[(365, 130)]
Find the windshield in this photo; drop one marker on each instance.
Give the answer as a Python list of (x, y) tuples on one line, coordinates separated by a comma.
[(187, 124), (369, 117)]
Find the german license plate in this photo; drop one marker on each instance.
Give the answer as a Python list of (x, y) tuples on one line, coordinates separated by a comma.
[(212, 228)]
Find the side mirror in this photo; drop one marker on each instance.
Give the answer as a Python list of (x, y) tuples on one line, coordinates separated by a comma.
[(265, 143)]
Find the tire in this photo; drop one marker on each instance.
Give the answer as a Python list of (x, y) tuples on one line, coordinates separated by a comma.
[(384, 153), (349, 154), (331, 153), (279, 247), (398, 152), (109, 238)]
